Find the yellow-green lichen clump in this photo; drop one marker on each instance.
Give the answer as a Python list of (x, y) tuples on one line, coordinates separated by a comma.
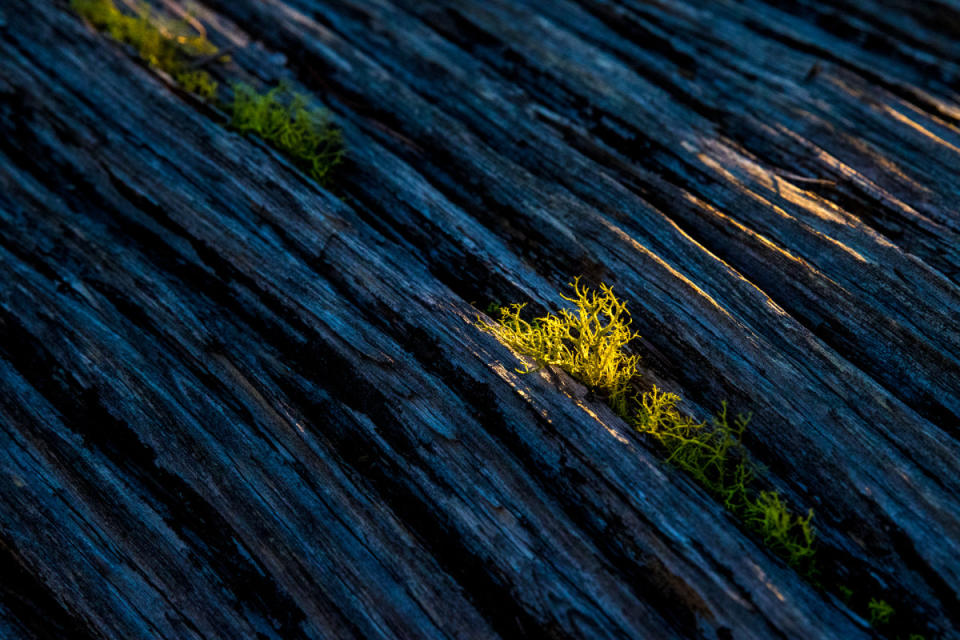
[(163, 43), (288, 121), (588, 342), (291, 124)]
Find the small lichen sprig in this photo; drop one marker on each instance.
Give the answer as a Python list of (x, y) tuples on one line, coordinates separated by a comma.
[(167, 44), (588, 343), (714, 455), (793, 536), (880, 612), (289, 122)]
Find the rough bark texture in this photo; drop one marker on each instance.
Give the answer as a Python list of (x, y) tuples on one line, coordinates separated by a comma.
[(236, 405)]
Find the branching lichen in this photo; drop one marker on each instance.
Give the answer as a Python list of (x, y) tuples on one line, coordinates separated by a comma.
[(198, 82), (589, 342), (163, 43), (789, 534), (715, 457), (880, 612), (288, 122), (712, 453)]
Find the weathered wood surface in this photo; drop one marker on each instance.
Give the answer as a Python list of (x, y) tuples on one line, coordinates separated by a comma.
[(235, 405)]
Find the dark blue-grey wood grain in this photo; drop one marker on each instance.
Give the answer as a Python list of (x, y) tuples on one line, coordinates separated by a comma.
[(234, 405)]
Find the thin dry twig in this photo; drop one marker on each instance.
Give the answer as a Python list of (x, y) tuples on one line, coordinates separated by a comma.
[(794, 177), (205, 60)]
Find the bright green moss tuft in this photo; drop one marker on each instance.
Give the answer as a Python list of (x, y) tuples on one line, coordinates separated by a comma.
[(288, 122), (163, 43)]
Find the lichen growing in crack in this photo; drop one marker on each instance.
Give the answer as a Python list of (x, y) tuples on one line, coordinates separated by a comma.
[(287, 120), (589, 342), (167, 44)]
